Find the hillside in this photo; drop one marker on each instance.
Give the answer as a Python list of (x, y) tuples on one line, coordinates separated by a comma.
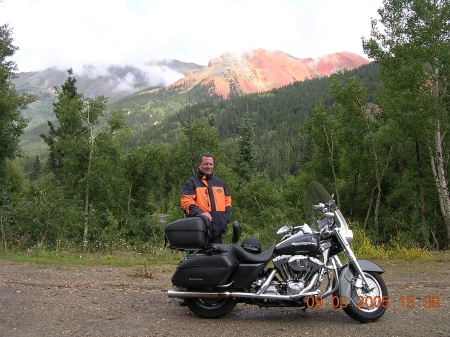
[(277, 117), (148, 110), (225, 76), (114, 82), (262, 70)]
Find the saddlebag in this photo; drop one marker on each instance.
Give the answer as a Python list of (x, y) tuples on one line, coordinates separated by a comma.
[(187, 233), (200, 271)]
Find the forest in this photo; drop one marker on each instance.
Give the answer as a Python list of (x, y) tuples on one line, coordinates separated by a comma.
[(112, 174)]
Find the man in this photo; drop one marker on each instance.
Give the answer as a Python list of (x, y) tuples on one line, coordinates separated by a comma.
[(206, 194)]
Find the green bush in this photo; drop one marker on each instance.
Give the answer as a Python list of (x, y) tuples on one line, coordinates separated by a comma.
[(364, 248)]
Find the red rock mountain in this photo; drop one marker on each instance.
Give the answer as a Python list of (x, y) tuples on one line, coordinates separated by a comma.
[(262, 70)]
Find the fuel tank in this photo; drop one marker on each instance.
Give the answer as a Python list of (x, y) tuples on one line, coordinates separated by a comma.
[(299, 244)]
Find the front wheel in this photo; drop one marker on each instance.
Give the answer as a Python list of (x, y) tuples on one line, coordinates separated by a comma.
[(367, 305), (211, 307)]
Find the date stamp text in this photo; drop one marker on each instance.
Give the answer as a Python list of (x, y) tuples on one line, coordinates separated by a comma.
[(408, 302)]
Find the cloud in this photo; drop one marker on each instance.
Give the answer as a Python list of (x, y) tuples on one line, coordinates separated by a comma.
[(126, 83), (152, 76), (64, 33)]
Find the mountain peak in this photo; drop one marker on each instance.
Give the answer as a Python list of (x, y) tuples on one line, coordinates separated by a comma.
[(261, 70)]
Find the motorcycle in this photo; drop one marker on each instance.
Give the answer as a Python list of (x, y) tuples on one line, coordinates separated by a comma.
[(303, 270)]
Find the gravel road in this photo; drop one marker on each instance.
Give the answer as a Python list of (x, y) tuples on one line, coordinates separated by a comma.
[(38, 300)]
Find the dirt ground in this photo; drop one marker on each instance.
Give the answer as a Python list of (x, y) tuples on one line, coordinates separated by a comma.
[(37, 300)]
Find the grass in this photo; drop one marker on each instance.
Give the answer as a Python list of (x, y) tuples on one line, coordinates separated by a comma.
[(363, 249), (157, 256)]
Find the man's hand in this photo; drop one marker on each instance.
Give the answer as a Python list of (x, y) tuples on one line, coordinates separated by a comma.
[(207, 215)]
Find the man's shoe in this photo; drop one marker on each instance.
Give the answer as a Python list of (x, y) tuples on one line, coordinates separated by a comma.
[(182, 302)]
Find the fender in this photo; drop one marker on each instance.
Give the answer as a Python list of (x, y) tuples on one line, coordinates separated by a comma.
[(347, 272)]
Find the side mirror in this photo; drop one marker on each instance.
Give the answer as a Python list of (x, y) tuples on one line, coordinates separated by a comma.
[(284, 230)]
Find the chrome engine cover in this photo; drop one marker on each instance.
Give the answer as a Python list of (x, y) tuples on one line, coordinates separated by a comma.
[(296, 270), (303, 262)]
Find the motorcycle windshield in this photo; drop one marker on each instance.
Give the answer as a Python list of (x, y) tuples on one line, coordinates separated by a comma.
[(315, 194)]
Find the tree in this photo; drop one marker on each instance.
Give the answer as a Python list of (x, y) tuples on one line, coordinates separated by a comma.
[(320, 131), (144, 167), (357, 128), (12, 123), (411, 42), (198, 136), (64, 141), (37, 169), (82, 143), (246, 164)]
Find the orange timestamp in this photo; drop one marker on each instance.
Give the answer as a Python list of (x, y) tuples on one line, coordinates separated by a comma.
[(427, 302), (343, 302), (363, 302)]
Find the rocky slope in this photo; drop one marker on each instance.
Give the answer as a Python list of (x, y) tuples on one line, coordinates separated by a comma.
[(262, 70)]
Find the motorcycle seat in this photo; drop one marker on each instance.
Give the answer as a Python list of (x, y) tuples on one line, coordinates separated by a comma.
[(242, 255)]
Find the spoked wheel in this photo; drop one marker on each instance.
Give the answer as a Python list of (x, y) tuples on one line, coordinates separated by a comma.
[(211, 307), (367, 305)]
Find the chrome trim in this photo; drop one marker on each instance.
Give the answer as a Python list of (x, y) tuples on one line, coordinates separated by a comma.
[(227, 294)]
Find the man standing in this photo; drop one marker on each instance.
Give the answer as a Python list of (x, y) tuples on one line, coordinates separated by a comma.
[(206, 194)]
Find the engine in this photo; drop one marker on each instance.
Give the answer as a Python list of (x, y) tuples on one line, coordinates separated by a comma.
[(296, 270)]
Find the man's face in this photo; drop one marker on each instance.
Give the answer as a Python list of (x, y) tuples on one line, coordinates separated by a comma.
[(207, 165)]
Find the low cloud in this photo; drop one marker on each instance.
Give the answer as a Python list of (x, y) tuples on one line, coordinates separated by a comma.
[(129, 79)]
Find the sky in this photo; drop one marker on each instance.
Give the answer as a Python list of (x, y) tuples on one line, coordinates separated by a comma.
[(73, 33)]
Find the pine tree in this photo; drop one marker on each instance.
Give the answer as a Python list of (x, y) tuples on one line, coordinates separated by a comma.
[(12, 122), (67, 109), (37, 169), (246, 165)]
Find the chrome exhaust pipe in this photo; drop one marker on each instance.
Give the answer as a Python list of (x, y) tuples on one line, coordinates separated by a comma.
[(189, 294), (227, 294)]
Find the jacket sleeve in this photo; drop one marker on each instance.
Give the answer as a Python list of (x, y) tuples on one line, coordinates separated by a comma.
[(228, 213), (228, 207), (188, 203)]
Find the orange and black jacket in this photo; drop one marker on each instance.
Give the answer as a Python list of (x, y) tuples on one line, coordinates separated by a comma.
[(207, 193)]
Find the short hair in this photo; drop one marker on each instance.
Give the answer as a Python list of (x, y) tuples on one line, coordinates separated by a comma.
[(208, 155)]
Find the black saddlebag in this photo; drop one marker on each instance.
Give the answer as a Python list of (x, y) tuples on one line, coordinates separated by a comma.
[(200, 271), (187, 233)]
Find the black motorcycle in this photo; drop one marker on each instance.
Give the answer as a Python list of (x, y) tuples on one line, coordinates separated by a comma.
[(303, 270)]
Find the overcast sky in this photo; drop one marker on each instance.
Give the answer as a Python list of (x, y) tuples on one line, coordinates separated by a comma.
[(73, 33)]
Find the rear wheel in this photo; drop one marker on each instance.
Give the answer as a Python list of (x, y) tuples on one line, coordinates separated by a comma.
[(367, 305), (211, 307)]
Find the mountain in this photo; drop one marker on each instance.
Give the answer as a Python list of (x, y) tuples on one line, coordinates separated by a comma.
[(152, 93), (114, 82), (228, 75), (262, 70)]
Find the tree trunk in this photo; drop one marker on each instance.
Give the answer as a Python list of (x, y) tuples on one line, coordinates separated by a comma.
[(354, 192), (379, 174), (377, 207), (330, 144), (425, 226), (440, 177), (378, 177), (366, 220), (422, 198), (3, 233), (86, 201), (129, 199)]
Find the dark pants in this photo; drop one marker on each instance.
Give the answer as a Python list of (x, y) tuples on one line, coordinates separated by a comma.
[(217, 239)]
